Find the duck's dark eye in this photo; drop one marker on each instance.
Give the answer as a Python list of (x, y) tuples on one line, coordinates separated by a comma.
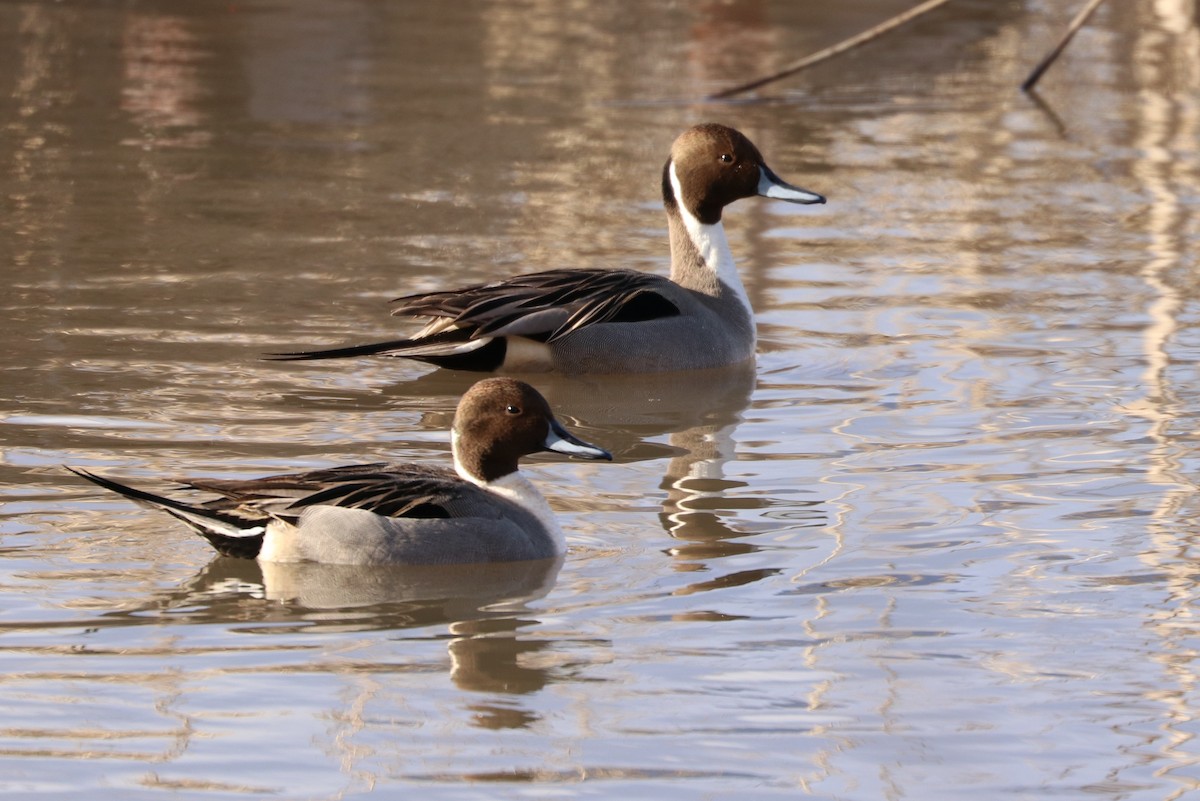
[(726, 158), (511, 409)]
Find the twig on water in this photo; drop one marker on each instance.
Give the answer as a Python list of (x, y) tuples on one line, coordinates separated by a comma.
[(830, 52), (1072, 29)]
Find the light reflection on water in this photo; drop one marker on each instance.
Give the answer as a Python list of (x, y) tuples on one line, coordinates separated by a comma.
[(937, 542)]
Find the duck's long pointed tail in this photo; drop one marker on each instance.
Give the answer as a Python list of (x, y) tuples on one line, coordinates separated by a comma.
[(453, 348), (229, 533), (395, 346)]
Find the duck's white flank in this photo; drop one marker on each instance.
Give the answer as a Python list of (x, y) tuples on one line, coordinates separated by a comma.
[(713, 246)]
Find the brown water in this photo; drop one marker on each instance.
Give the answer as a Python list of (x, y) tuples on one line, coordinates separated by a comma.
[(937, 544)]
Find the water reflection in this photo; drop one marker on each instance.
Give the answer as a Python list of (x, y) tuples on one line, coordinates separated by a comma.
[(315, 69), (700, 414), (484, 608), (353, 597), (703, 511), (163, 89), (943, 545)]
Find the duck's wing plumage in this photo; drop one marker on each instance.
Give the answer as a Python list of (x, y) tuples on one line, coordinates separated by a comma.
[(547, 305), (543, 306), (388, 490)]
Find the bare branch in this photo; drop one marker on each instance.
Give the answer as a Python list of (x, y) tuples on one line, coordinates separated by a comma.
[(1072, 29), (830, 52)]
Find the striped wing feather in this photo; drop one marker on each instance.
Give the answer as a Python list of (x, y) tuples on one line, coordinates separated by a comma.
[(546, 305), (386, 489)]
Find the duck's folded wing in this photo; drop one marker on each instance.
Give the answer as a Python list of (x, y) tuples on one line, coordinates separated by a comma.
[(412, 491), (545, 305), (466, 327)]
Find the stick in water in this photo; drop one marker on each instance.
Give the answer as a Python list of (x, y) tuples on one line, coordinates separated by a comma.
[(830, 52), (1072, 29)]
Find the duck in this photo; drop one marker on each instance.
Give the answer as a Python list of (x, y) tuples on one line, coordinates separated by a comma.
[(383, 513), (596, 320)]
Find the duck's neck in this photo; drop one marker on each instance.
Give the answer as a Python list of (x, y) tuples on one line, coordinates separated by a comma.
[(700, 255), (477, 464), (521, 491), (508, 484)]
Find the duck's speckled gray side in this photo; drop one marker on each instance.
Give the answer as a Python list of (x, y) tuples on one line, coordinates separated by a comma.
[(485, 529), (718, 331)]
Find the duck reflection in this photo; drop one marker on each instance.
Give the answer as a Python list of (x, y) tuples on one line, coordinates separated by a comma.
[(483, 606), (704, 509), (457, 591), (697, 491), (700, 413), (362, 597)]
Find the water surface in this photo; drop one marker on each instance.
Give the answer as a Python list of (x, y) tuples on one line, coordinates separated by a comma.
[(935, 544)]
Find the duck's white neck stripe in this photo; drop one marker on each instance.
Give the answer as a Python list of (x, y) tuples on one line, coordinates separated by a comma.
[(520, 490), (711, 244), (462, 471)]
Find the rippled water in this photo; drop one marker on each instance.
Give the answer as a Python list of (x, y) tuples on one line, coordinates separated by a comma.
[(936, 544)]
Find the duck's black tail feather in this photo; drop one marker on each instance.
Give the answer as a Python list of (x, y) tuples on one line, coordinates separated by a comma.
[(230, 533), (451, 349), (371, 349)]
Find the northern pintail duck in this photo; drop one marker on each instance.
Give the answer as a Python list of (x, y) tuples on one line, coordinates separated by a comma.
[(612, 321), (482, 511)]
